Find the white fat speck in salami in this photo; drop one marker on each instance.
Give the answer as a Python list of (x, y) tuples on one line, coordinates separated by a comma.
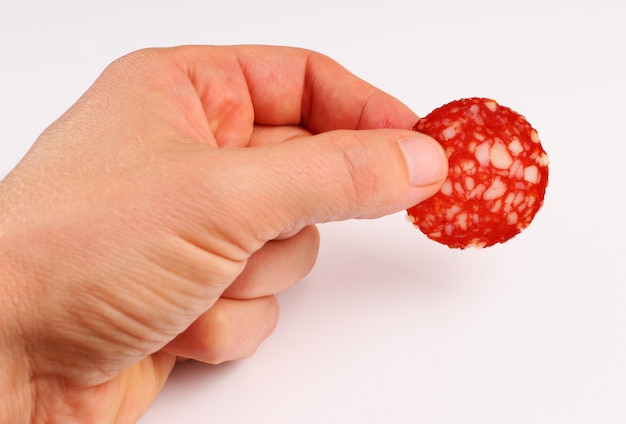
[(498, 174)]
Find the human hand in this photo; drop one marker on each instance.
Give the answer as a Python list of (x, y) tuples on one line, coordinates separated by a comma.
[(157, 218)]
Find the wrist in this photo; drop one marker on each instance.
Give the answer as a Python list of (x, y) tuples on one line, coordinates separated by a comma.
[(16, 404), (15, 385), (15, 382)]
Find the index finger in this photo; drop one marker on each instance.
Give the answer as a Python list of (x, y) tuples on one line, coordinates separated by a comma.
[(293, 86)]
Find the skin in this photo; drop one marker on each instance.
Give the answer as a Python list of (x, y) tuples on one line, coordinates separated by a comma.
[(158, 217)]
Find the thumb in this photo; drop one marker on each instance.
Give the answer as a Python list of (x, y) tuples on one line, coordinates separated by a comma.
[(339, 175)]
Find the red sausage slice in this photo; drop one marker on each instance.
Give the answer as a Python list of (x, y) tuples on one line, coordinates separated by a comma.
[(498, 173)]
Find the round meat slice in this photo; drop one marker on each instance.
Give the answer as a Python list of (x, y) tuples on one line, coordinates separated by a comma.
[(498, 173)]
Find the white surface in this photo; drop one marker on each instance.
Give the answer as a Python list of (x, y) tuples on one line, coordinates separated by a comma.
[(391, 327)]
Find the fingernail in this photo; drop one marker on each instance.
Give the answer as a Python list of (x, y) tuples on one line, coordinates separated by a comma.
[(425, 159)]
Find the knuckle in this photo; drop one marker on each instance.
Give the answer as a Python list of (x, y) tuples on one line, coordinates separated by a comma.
[(363, 179), (217, 341), (231, 336)]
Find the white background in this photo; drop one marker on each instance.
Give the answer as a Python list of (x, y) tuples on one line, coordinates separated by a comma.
[(391, 327)]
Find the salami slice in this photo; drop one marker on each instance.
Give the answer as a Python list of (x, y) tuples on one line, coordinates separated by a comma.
[(498, 173)]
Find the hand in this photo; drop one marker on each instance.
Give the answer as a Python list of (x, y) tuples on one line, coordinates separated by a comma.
[(157, 218)]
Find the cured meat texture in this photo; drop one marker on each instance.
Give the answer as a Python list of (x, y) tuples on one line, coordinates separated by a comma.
[(498, 174)]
